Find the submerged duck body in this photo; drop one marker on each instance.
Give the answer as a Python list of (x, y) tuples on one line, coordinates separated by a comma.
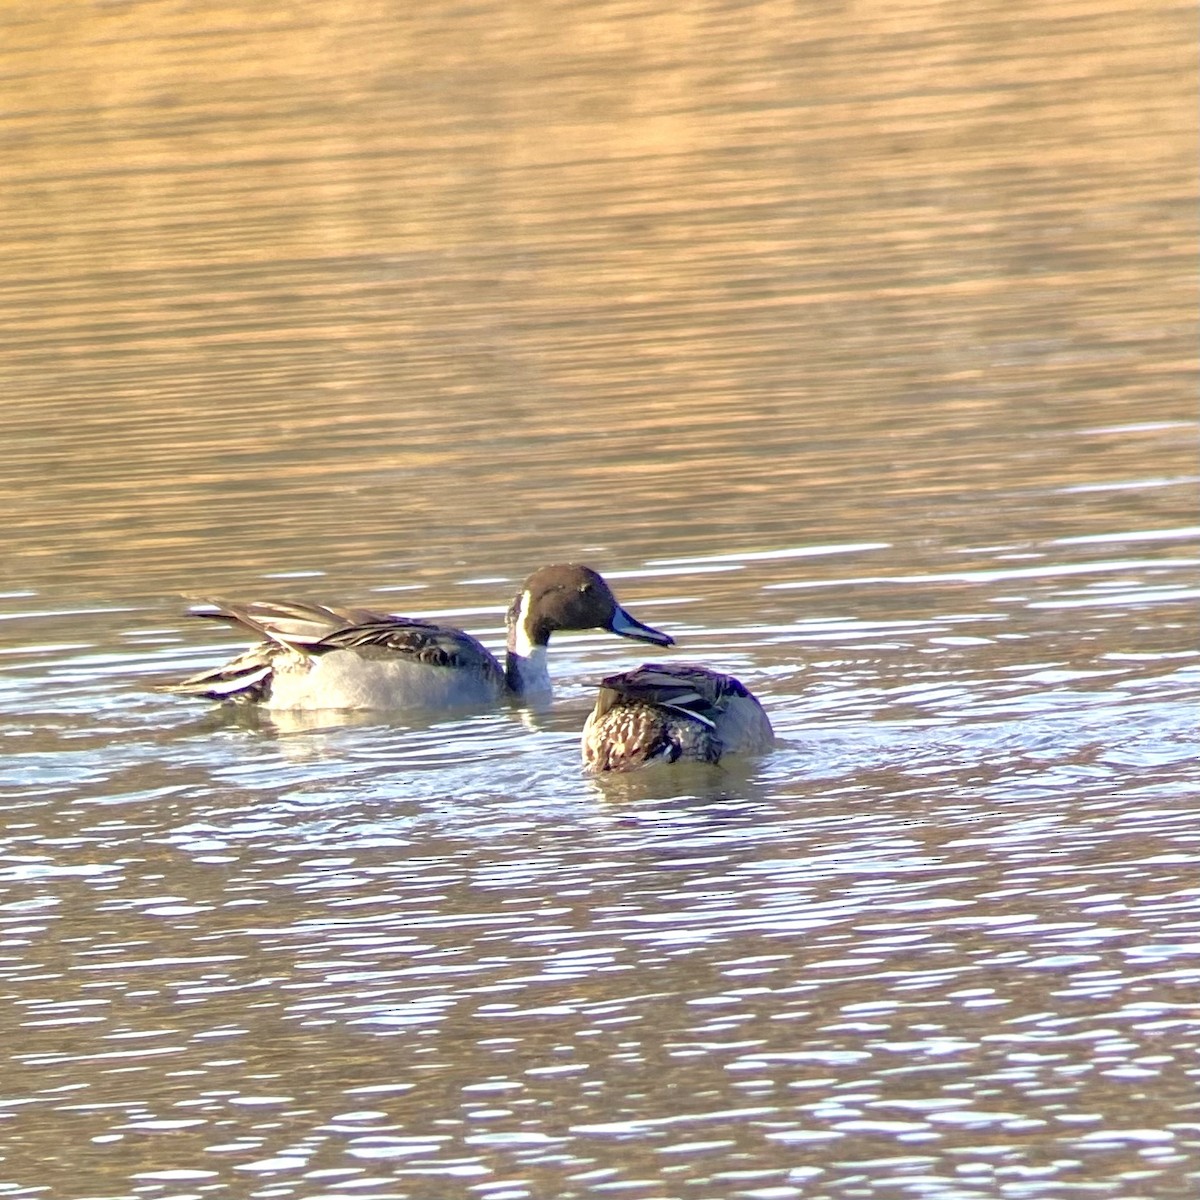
[(671, 713), (318, 657)]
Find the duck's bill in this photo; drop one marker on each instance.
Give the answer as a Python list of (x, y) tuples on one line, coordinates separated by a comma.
[(630, 627)]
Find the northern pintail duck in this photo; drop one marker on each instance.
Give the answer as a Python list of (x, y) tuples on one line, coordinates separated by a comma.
[(314, 657), (665, 713)]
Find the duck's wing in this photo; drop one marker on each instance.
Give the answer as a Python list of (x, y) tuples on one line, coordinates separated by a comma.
[(318, 629), (420, 641), (295, 630), (294, 624), (691, 691)]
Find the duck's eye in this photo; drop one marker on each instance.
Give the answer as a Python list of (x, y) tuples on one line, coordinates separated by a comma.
[(586, 589)]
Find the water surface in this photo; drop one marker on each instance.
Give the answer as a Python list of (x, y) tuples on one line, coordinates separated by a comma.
[(856, 347)]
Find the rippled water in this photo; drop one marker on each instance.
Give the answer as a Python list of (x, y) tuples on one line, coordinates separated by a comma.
[(856, 348)]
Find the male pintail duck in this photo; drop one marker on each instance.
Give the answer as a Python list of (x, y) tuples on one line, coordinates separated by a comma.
[(662, 714), (353, 658)]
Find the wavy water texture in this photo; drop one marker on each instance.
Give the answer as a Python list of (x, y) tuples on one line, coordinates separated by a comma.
[(856, 347)]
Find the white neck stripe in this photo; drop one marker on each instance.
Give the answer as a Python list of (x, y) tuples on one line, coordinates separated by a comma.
[(519, 641)]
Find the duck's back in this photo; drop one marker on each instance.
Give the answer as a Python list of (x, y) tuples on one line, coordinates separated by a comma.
[(317, 657), (670, 714)]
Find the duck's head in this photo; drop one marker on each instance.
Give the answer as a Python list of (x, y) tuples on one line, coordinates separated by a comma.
[(571, 596)]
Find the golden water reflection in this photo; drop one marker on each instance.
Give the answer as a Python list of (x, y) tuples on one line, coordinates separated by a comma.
[(298, 287), (856, 342)]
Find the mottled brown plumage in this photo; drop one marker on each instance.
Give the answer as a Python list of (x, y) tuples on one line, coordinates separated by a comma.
[(669, 713)]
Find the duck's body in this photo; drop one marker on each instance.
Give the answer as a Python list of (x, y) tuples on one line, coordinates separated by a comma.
[(318, 657), (671, 713)]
